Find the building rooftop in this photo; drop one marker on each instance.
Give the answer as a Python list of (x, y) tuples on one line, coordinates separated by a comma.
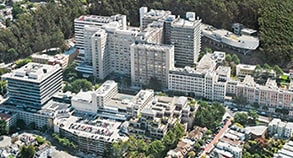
[(207, 63), (142, 96), (91, 127), (246, 67), (256, 130), (153, 46), (223, 70), (229, 38), (120, 100), (106, 87), (83, 96), (157, 14), (186, 23), (32, 72)]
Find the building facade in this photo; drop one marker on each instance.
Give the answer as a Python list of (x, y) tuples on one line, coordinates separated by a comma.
[(186, 37), (151, 62), (34, 84)]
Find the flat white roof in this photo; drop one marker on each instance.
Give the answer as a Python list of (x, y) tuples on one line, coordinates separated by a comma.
[(246, 67), (257, 130), (106, 87), (32, 72)]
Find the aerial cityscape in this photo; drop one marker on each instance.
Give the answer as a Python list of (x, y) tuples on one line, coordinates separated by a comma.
[(146, 79)]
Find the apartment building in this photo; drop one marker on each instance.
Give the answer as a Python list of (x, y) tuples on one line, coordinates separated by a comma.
[(151, 62), (91, 134), (159, 115), (268, 95), (280, 129), (118, 44), (34, 84)]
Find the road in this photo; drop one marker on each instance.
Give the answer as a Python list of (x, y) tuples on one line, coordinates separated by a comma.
[(210, 146), (260, 117)]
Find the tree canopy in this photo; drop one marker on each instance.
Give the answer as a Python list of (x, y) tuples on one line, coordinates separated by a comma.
[(27, 151), (37, 30), (209, 116), (146, 148)]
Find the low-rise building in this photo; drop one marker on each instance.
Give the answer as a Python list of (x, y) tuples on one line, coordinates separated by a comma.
[(159, 115), (280, 129), (224, 147), (269, 95), (9, 117), (91, 101), (61, 59), (286, 151), (91, 134), (243, 69), (206, 81), (257, 131)]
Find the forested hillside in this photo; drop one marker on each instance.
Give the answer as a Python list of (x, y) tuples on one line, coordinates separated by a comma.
[(38, 30), (46, 27)]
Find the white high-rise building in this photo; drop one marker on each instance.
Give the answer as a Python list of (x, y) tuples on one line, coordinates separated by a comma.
[(151, 62), (94, 20), (95, 58), (118, 44)]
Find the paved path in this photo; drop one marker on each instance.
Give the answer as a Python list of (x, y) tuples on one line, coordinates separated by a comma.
[(210, 146)]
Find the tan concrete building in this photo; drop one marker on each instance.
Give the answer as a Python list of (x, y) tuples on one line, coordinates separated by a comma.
[(149, 61)]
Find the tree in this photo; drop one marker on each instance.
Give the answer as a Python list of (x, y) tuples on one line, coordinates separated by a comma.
[(209, 116), (241, 118), (3, 87), (77, 85), (3, 127), (235, 59), (40, 140), (11, 54), (156, 148), (253, 114), (27, 151), (278, 70), (228, 58), (191, 154), (169, 139), (258, 67), (267, 66), (20, 124), (275, 35), (255, 105)]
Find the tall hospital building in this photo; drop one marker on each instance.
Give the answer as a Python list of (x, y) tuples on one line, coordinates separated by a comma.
[(108, 45)]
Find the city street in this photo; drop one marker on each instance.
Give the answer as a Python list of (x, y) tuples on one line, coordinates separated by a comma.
[(210, 146)]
